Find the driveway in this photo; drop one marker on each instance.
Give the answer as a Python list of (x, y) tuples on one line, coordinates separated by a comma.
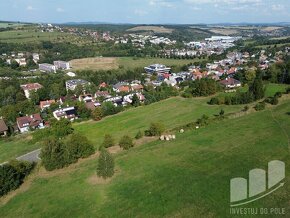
[(31, 156)]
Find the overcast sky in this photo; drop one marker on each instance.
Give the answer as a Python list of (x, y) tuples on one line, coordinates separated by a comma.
[(146, 11)]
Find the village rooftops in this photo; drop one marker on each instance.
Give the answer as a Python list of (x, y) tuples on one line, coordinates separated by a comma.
[(231, 83), (33, 121), (46, 104), (72, 84), (31, 86), (3, 127), (157, 68), (67, 113)]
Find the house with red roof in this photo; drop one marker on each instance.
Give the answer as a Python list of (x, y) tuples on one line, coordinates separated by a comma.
[(46, 104), (26, 123), (3, 128), (231, 83), (29, 88)]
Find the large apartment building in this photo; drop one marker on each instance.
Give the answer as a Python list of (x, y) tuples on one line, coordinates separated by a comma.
[(47, 68), (63, 65)]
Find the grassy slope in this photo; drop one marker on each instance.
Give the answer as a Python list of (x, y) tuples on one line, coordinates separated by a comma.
[(126, 62), (129, 62), (182, 178), (172, 112), (30, 34)]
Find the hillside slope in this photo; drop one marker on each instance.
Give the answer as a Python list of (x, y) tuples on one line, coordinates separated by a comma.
[(188, 177)]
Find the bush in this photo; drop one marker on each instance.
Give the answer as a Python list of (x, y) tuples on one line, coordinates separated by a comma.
[(203, 121), (126, 142), (278, 94), (139, 135), (97, 114), (53, 154), (260, 106), (78, 146), (246, 108), (58, 153), (108, 141), (156, 129), (13, 174)]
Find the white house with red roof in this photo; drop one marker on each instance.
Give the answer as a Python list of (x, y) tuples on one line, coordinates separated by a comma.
[(33, 121), (30, 87)]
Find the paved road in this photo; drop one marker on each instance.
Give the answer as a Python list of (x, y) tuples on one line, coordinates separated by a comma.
[(32, 156)]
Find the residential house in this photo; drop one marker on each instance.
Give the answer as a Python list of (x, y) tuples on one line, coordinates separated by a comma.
[(21, 61), (103, 85), (199, 75), (92, 105), (26, 123), (86, 98), (3, 128), (31, 87), (63, 65), (35, 57), (231, 83), (66, 113), (46, 104), (47, 68), (137, 87), (121, 87), (102, 94), (72, 84), (157, 68)]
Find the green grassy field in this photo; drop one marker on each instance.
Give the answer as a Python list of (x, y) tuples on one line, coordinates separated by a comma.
[(188, 177), (28, 36), (12, 25), (109, 63), (172, 112), (129, 62)]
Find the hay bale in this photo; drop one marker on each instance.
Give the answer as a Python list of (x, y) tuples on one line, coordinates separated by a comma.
[(181, 131), (173, 137), (162, 138), (167, 138)]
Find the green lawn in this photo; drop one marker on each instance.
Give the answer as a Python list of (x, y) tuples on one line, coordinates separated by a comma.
[(188, 177), (12, 25), (28, 36), (172, 112), (272, 89), (130, 62)]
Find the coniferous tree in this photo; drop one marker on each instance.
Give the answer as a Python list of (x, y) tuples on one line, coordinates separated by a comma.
[(135, 101), (257, 89), (105, 168)]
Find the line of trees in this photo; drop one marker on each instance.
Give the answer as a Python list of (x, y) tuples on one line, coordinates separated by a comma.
[(63, 147), (256, 92)]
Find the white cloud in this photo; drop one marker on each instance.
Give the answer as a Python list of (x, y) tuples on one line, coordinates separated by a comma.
[(60, 10), (222, 1), (30, 8), (140, 12), (162, 3), (278, 7)]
